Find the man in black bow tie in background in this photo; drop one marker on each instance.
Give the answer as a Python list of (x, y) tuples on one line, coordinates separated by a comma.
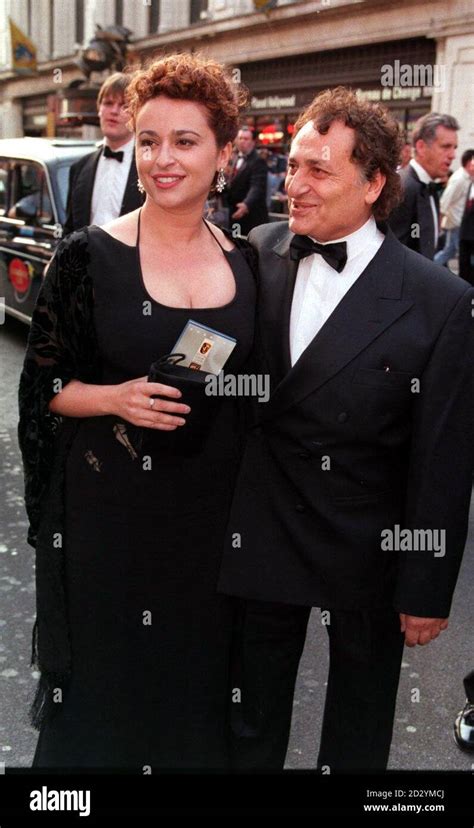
[(247, 186), (415, 221), (103, 184), (367, 435)]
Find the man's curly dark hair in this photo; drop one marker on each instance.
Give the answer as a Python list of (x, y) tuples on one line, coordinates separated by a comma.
[(377, 138)]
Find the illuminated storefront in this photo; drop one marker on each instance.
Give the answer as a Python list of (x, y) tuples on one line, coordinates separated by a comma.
[(281, 88)]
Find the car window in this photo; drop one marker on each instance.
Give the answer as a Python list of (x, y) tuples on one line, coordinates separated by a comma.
[(31, 200), (62, 178), (3, 187)]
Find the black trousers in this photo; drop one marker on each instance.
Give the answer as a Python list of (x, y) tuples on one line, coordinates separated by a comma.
[(365, 657)]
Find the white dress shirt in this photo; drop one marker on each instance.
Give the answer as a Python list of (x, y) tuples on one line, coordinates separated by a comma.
[(319, 288), (426, 179), (453, 199), (240, 160), (109, 185)]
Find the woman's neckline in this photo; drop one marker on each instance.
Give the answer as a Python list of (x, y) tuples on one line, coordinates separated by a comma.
[(136, 248)]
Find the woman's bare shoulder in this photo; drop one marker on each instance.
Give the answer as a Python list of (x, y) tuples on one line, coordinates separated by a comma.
[(123, 228), (224, 240)]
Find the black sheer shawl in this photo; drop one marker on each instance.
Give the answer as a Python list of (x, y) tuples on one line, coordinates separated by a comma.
[(61, 346)]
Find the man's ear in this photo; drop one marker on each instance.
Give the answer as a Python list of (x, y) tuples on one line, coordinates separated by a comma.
[(375, 187), (419, 147)]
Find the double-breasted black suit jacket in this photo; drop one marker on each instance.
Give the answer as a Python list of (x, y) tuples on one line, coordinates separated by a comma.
[(249, 184), (81, 185), (413, 221), (371, 428)]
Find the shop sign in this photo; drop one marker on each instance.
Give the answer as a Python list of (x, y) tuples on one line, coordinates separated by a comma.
[(273, 102), (395, 93)]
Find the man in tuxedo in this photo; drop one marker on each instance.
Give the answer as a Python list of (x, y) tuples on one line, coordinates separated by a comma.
[(354, 489), (247, 188), (103, 184), (415, 220)]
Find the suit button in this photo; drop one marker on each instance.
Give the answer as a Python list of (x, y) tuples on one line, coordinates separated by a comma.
[(342, 417), (300, 507), (305, 455)]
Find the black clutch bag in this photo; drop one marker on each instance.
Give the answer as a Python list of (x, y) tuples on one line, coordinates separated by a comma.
[(193, 385)]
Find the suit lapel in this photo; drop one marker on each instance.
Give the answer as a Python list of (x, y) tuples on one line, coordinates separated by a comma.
[(84, 189), (426, 220), (425, 216), (131, 197), (276, 293), (371, 305)]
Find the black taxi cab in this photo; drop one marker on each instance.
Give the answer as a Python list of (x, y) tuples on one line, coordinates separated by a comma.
[(34, 179)]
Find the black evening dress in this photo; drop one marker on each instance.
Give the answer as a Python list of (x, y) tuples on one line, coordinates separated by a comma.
[(144, 528)]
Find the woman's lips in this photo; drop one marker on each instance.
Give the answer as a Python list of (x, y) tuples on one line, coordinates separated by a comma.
[(166, 182)]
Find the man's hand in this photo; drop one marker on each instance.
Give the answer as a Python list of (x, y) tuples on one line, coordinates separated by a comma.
[(241, 211), (421, 630)]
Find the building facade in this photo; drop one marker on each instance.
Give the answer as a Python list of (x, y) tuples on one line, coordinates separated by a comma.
[(413, 55)]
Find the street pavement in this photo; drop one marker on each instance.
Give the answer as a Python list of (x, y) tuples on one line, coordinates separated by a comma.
[(430, 693)]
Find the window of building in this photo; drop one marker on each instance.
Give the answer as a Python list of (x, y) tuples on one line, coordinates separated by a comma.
[(119, 12), (198, 6), (62, 180), (153, 16), (79, 21)]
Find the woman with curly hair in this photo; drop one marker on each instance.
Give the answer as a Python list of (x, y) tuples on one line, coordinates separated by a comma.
[(132, 640)]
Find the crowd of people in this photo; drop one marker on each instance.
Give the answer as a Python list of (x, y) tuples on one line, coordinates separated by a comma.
[(172, 611), (435, 216)]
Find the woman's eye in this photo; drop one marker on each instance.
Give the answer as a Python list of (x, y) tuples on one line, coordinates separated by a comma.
[(145, 142), (186, 142)]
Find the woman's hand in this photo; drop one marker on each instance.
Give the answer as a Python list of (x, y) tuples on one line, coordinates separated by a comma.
[(134, 401)]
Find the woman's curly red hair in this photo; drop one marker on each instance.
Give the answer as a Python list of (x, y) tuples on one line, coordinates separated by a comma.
[(195, 78)]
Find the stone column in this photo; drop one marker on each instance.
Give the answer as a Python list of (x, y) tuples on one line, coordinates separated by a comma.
[(11, 119), (455, 59)]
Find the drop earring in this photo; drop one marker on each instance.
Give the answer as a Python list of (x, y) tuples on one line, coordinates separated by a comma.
[(140, 187), (221, 181)]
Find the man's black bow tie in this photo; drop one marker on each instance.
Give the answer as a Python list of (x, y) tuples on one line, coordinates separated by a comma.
[(335, 253), (432, 188), (108, 153)]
